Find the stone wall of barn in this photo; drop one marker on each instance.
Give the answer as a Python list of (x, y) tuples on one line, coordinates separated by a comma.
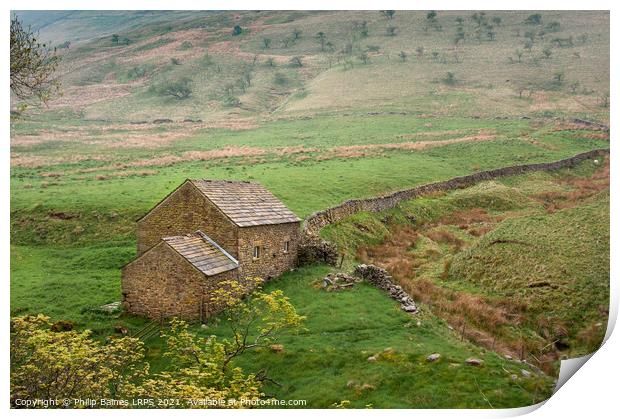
[(315, 222), (162, 284), (273, 259), (185, 211)]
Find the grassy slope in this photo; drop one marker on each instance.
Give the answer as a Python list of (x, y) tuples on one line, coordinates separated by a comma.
[(550, 270), (327, 363), (485, 77), (83, 25)]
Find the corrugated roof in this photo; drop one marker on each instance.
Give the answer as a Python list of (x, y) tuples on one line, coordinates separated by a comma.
[(202, 252), (245, 203)]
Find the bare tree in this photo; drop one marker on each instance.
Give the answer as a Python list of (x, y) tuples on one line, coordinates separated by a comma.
[(32, 65), (519, 54), (322, 39), (296, 62), (364, 58)]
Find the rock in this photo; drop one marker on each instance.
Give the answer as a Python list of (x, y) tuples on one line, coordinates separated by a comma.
[(372, 359), (277, 347), (474, 361), (121, 329), (204, 326), (111, 307), (409, 308), (526, 373), (351, 383), (514, 377), (433, 357), (507, 357), (367, 386), (418, 323)]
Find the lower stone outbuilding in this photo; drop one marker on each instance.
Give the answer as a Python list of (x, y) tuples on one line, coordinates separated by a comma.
[(178, 278)]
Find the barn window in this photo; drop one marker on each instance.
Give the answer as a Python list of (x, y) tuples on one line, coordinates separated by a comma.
[(256, 252), (285, 247)]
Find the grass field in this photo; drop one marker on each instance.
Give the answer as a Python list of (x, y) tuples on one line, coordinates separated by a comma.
[(84, 168)]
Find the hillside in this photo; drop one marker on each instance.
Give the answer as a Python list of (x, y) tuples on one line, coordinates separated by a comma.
[(558, 65), (321, 107), (519, 264)]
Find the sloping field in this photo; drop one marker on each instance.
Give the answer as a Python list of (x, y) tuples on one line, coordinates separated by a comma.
[(519, 264)]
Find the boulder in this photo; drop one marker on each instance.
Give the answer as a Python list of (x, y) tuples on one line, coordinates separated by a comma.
[(276, 347), (409, 308), (433, 357), (474, 361)]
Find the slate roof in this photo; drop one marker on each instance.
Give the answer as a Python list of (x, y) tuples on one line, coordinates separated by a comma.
[(245, 203), (202, 252)]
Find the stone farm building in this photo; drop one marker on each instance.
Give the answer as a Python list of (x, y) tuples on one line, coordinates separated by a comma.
[(203, 233)]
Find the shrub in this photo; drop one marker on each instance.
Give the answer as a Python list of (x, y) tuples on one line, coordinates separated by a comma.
[(296, 62), (186, 45), (280, 79), (450, 78), (534, 19), (66, 364), (178, 89)]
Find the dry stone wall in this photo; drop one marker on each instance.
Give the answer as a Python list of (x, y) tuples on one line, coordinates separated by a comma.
[(381, 279), (315, 222)]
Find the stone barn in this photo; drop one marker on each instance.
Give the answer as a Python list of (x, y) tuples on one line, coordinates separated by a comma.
[(205, 232)]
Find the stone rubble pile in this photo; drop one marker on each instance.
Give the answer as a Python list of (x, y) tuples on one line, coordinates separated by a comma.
[(339, 281), (381, 279)]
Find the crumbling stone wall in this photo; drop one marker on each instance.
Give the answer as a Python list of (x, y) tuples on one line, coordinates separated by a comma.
[(273, 259), (315, 222), (312, 249), (381, 279), (163, 284), (185, 211)]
